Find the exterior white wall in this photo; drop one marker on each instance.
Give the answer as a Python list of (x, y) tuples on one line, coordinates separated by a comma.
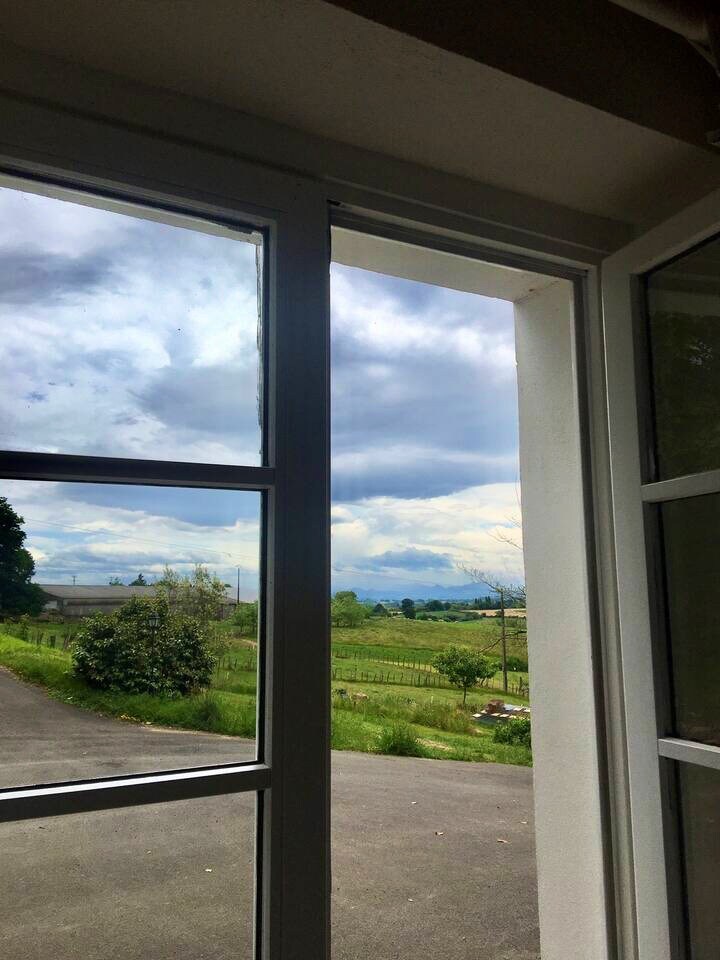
[(567, 787)]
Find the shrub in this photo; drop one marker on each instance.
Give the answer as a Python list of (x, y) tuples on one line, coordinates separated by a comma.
[(245, 618), (515, 730), (400, 741), (143, 648)]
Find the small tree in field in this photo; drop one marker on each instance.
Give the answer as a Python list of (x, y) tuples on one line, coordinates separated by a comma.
[(200, 594), (463, 667), (379, 610), (408, 608), (346, 610), (245, 618)]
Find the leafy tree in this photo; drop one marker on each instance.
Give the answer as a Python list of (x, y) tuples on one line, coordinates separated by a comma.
[(434, 605), (115, 582), (245, 618), (380, 611), (508, 595), (463, 667), (407, 606), (346, 610), (144, 647), (17, 594), (139, 581), (200, 594)]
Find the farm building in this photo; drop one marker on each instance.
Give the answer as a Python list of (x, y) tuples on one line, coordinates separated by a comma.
[(82, 600)]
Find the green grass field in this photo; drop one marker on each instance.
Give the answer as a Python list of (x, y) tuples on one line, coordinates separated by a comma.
[(368, 712)]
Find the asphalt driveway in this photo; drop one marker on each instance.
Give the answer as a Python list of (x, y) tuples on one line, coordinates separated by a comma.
[(418, 866)]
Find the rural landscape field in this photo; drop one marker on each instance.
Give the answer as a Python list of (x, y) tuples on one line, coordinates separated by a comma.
[(387, 695)]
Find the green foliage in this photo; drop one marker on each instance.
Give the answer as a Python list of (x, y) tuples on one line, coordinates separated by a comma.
[(380, 611), (463, 667), (400, 740), (245, 618), (139, 581), (433, 605), (514, 731), (17, 594), (407, 607), (115, 582), (143, 648), (346, 610), (200, 595)]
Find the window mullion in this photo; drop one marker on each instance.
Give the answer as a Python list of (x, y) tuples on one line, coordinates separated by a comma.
[(295, 813)]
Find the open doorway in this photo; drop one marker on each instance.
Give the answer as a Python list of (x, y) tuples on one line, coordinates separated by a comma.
[(432, 663)]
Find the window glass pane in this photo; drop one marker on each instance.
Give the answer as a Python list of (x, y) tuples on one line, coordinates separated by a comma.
[(692, 563), (122, 635), (171, 881), (700, 805), (683, 301), (126, 337)]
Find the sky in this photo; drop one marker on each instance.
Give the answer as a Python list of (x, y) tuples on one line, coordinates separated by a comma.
[(131, 338)]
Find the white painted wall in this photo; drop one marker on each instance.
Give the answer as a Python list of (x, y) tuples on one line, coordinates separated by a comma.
[(567, 789)]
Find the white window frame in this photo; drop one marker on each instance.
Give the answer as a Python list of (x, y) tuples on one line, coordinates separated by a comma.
[(635, 727)]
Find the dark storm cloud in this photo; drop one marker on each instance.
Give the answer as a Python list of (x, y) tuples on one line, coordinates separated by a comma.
[(410, 559), (209, 508), (409, 476), (29, 275), (214, 400)]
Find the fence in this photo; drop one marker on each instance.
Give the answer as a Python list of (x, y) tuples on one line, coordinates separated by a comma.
[(56, 641), (419, 678)]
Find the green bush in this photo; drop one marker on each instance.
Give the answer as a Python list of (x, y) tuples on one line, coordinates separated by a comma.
[(400, 741), (143, 648), (515, 730)]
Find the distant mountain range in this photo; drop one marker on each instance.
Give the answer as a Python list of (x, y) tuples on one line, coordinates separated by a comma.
[(462, 591)]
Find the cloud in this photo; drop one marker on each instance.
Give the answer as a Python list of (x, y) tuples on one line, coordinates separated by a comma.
[(409, 559), (29, 274)]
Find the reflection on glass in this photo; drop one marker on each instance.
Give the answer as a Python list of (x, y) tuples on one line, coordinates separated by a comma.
[(130, 610), (692, 563), (683, 301), (700, 805), (171, 881), (125, 337)]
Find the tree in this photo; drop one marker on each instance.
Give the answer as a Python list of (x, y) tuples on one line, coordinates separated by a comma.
[(200, 594), (115, 582), (507, 594), (379, 610), (407, 607), (346, 610), (17, 594), (463, 667), (139, 581), (245, 618), (434, 605)]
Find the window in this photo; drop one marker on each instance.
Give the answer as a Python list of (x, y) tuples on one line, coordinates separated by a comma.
[(682, 495), (155, 407)]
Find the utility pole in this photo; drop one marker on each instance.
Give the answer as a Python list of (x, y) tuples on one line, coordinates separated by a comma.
[(501, 591)]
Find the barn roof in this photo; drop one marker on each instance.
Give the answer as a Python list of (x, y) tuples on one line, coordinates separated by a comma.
[(82, 591), (64, 591)]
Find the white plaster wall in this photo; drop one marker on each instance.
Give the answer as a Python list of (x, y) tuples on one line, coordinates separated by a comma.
[(567, 808)]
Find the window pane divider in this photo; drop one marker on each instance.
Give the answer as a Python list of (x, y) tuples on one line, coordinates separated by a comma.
[(50, 800), (678, 488), (71, 468), (689, 751)]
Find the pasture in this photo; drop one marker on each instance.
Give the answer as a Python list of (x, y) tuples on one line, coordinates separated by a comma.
[(384, 688)]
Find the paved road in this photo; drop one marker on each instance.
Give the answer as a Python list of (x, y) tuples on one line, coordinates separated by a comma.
[(417, 867)]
